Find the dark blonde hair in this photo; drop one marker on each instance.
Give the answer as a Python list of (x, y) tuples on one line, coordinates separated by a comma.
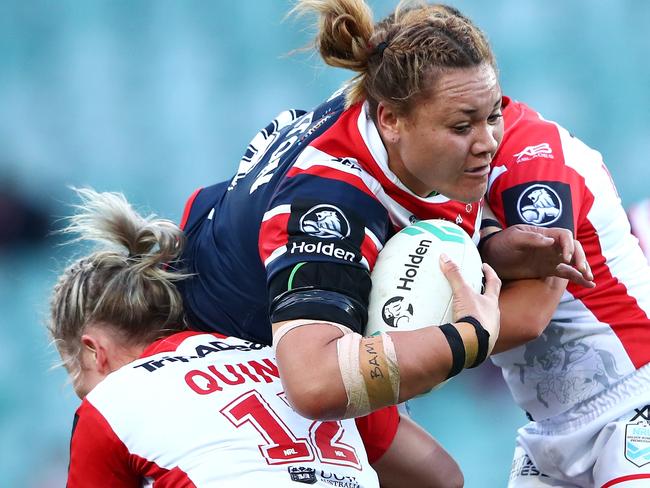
[(399, 58), (125, 284)]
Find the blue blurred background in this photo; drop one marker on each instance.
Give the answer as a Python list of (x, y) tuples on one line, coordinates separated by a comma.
[(157, 97)]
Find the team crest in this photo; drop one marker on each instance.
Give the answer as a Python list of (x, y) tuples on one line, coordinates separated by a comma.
[(325, 221), (303, 475), (637, 443), (397, 313), (539, 205)]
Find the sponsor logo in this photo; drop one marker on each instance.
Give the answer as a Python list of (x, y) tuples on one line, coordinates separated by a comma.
[(303, 475), (637, 443), (523, 466), (320, 248), (397, 312), (642, 413), (413, 265), (338, 480), (201, 351), (542, 150), (325, 221), (539, 205)]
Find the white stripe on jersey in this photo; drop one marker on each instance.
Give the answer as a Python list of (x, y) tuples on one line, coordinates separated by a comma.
[(374, 239), (373, 141), (622, 255), (639, 215), (311, 156), (280, 209), (274, 255)]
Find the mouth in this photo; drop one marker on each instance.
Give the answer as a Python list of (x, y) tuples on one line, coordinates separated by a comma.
[(482, 170)]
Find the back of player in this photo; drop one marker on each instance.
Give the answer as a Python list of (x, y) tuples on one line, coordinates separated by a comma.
[(190, 413)]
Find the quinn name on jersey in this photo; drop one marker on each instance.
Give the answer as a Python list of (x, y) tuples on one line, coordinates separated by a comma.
[(199, 410)]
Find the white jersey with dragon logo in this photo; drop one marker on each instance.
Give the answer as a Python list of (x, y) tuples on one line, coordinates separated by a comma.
[(544, 176)]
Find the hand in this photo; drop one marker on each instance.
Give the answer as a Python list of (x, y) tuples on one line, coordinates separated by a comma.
[(526, 251), (483, 307)]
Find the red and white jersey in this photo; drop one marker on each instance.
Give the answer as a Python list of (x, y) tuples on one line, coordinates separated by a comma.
[(639, 215), (544, 176), (205, 410)]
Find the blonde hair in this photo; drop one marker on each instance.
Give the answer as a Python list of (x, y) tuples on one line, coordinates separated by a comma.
[(125, 284), (399, 58)]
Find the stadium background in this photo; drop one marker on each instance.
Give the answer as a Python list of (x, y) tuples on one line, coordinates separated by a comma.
[(157, 97)]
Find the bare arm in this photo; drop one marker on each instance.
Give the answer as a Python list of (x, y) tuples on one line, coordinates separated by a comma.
[(526, 309), (308, 362), (417, 460)]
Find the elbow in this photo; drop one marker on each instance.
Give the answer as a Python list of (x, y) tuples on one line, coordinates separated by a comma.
[(316, 400)]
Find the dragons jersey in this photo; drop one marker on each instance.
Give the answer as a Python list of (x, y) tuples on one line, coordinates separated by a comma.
[(544, 176), (312, 186), (205, 410), (639, 215)]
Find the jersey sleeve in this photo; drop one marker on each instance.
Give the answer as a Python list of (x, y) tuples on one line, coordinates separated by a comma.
[(323, 211), (377, 431), (537, 187), (97, 456)]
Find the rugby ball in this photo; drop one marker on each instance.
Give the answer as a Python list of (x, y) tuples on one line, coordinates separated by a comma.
[(409, 290)]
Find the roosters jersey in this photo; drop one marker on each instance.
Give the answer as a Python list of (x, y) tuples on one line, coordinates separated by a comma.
[(544, 176), (204, 410), (639, 215), (312, 186)]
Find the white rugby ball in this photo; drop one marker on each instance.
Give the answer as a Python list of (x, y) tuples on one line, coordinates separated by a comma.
[(409, 290)]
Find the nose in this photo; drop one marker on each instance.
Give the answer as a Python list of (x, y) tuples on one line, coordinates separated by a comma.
[(487, 140)]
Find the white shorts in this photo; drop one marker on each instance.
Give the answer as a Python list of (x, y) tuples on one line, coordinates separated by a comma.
[(603, 442)]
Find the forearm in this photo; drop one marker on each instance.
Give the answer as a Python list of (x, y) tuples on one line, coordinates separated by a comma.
[(310, 368), (527, 307)]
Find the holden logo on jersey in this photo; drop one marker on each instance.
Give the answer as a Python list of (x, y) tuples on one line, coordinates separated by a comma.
[(325, 221), (539, 205), (396, 312), (542, 150)]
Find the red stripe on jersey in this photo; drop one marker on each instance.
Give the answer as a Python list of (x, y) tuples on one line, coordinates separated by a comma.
[(273, 234), (98, 457), (163, 478), (623, 479), (172, 342), (369, 251), (188, 208), (332, 174), (610, 302), (344, 140), (377, 431)]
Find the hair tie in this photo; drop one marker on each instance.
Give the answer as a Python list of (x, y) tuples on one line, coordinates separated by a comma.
[(381, 47)]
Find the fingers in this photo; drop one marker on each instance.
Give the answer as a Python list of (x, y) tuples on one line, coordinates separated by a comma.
[(452, 273), (492, 281), (565, 241), (573, 275), (580, 262)]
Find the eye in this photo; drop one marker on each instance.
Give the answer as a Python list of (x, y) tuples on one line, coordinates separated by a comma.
[(494, 118), (461, 129)]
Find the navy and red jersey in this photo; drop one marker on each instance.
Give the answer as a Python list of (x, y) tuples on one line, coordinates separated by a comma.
[(201, 409), (544, 176), (312, 187)]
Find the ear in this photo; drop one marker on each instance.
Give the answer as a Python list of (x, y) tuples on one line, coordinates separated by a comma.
[(96, 348), (389, 123)]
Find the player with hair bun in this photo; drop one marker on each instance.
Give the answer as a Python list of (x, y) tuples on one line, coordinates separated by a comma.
[(177, 408), (297, 230)]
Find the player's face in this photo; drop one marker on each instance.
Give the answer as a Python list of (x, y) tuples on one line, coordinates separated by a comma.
[(448, 140)]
